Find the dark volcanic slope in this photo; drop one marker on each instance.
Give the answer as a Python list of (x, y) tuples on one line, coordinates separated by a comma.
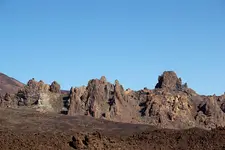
[(9, 85), (20, 129)]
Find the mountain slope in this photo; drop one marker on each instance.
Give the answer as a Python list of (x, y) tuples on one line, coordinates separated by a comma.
[(9, 85)]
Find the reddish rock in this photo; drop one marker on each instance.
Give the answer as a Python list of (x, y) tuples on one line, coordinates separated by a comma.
[(102, 99), (55, 87), (76, 105), (169, 80), (169, 105)]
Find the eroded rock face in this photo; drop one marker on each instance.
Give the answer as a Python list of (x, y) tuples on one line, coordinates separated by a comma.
[(167, 109), (170, 105), (93, 100), (76, 103), (41, 96), (169, 80), (55, 87), (30, 94), (101, 99), (210, 113)]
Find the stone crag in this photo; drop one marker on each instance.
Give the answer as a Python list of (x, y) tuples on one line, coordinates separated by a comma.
[(170, 105), (37, 95)]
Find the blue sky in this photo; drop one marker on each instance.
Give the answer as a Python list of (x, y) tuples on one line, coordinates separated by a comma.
[(133, 41)]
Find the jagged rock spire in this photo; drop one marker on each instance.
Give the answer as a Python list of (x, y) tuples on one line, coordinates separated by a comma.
[(169, 80)]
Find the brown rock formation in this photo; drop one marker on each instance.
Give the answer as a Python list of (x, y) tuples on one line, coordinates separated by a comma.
[(97, 95), (171, 104), (210, 113), (30, 94), (100, 99), (41, 96), (76, 104), (169, 110), (169, 80), (55, 87)]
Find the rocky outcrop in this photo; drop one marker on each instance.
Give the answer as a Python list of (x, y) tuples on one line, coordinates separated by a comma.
[(169, 80), (41, 96), (210, 112), (165, 109), (55, 87), (170, 105), (93, 100), (101, 99), (76, 103), (30, 94)]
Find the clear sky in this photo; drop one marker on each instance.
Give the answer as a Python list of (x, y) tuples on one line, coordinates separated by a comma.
[(134, 41)]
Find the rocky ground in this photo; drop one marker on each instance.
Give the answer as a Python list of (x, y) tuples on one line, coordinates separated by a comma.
[(31, 130), (170, 116)]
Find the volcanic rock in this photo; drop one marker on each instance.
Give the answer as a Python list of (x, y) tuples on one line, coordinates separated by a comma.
[(55, 87), (210, 113), (169, 80), (96, 97), (101, 99), (170, 105), (41, 96), (76, 104)]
